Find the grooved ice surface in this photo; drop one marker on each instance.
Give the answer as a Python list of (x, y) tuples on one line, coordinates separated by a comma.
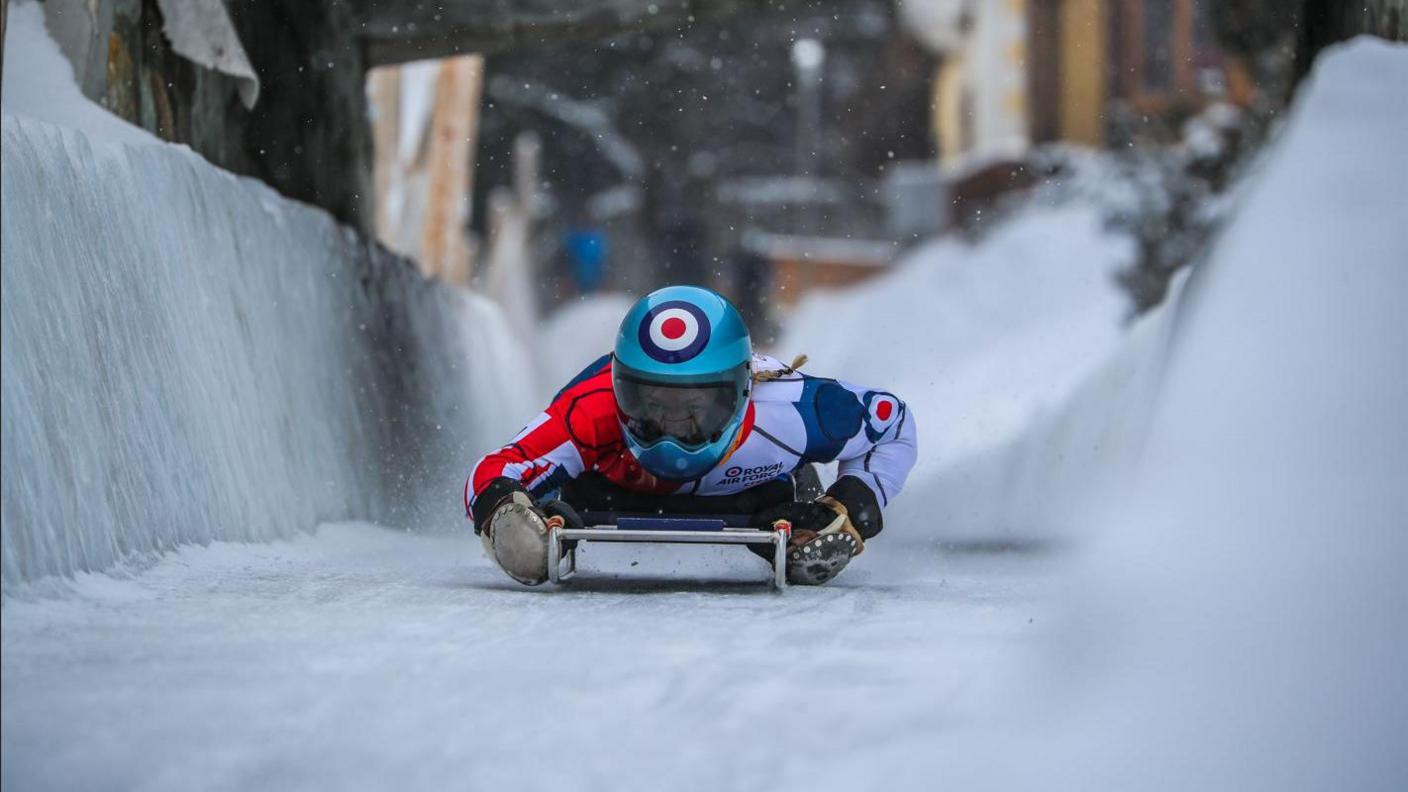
[(188, 356), (363, 658)]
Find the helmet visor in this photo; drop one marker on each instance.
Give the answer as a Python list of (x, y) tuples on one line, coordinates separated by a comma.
[(692, 414)]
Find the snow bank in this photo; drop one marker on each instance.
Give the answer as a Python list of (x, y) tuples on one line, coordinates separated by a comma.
[(984, 342), (1240, 625), (44, 88), (1237, 462), (1071, 455), (188, 356)]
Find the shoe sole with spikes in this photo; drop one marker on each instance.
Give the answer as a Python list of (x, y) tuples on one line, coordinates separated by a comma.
[(814, 562)]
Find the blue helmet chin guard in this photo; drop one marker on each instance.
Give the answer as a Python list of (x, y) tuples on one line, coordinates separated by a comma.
[(682, 373)]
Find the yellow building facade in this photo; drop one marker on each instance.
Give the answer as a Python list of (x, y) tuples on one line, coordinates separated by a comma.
[(1036, 71), (980, 87), (1083, 68)]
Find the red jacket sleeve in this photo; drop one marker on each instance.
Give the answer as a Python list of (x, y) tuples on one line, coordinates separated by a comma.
[(554, 447)]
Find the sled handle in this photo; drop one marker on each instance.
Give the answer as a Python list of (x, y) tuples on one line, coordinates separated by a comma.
[(782, 537)]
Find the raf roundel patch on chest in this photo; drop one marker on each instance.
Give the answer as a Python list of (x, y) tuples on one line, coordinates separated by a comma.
[(674, 332), (883, 410)]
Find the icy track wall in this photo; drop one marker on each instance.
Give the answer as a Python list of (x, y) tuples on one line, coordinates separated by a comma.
[(189, 357), (1024, 383), (1042, 485)]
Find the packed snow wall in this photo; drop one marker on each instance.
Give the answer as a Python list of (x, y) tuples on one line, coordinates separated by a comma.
[(1013, 357), (1041, 485), (189, 357), (1236, 621)]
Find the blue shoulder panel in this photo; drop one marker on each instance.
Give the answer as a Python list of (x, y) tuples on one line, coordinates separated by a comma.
[(831, 414), (595, 368), (551, 484)]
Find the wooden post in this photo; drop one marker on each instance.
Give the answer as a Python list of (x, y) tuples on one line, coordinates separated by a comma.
[(386, 132), (444, 250)]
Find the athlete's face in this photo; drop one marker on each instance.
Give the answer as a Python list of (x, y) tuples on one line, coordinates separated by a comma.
[(681, 413), (693, 414)]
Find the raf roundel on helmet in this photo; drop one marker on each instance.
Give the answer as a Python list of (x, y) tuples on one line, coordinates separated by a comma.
[(681, 372)]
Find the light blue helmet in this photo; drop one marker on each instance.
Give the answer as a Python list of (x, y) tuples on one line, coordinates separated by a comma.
[(682, 372)]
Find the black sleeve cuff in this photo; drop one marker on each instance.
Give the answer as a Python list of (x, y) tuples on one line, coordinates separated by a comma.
[(489, 499), (860, 503)]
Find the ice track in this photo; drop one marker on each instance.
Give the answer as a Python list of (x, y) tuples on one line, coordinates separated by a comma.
[(368, 658)]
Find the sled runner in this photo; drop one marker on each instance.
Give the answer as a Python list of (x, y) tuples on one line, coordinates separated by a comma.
[(605, 526)]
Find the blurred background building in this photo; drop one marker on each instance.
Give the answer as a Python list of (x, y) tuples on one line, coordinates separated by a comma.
[(763, 147), (424, 119), (1021, 73), (736, 153)]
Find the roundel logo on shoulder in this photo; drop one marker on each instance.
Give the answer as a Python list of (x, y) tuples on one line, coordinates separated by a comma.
[(883, 410), (674, 332)]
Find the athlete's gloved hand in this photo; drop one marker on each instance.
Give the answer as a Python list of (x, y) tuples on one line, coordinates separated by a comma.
[(810, 519), (499, 492), (823, 538), (514, 530), (803, 515), (562, 511)]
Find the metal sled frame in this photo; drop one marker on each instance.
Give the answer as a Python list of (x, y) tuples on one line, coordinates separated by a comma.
[(664, 529)]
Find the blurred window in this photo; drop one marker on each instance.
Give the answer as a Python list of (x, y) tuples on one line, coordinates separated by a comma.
[(1156, 24)]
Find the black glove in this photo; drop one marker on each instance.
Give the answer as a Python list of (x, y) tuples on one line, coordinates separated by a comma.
[(859, 501), (804, 515), (811, 520), (557, 508), (496, 494)]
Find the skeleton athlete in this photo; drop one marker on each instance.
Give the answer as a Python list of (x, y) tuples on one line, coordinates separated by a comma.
[(683, 417)]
